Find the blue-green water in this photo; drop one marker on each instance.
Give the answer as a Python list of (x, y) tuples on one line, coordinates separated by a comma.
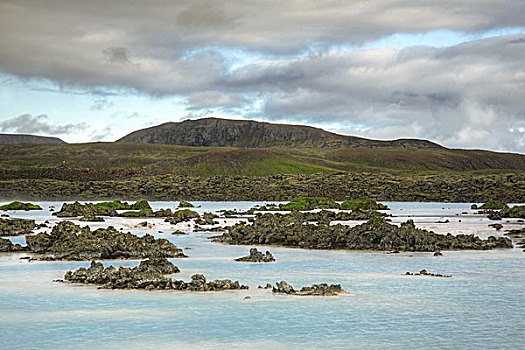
[(482, 306)]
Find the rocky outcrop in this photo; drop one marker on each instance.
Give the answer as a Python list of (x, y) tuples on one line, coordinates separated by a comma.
[(516, 233), (257, 256), (6, 246), (68, 241), (149, 275), (426, 273), (15, 227), (322, 289), (20, 206), (517, 211), (215, 132), (92, 219), (182, 216), (312, 203), (85, 210), (103, 209), (376, 234), (207, 219)]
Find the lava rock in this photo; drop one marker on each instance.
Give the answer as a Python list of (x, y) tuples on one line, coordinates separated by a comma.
[(15, 227), (257, 256), (376, 234), (68, 241), (426, 273), (149, 275), (322, 289)]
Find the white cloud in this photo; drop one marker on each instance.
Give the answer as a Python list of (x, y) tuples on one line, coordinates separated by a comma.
[(39, 124)]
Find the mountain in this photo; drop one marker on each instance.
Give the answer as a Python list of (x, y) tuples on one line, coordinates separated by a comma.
[(215, 132), (8, 139)]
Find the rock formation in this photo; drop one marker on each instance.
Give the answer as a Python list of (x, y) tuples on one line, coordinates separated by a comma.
[(257, 256), (149, 275), (68, 241), (322, 289), (376, 234)]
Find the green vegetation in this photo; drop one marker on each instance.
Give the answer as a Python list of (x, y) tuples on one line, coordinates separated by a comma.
[(144, 213), (309, 203), (363, 203), (110, 161), (507, 188), (20, 206), (118, 205), (493, 205), (186, 213), (184, 204), (141, 205), (517, 211)]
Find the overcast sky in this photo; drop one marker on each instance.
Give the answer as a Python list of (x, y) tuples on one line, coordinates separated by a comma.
[(451, 71)]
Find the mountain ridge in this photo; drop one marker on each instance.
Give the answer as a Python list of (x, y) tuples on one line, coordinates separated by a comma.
[(10, 139), (217, 132)]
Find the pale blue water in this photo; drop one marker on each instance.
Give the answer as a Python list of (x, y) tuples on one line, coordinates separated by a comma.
[(481, 307)]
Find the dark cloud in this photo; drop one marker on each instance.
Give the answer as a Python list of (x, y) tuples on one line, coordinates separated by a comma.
[(469, 95), (117, 54), (39, 124)]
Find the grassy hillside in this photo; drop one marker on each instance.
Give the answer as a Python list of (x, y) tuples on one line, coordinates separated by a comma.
[(208, 161)]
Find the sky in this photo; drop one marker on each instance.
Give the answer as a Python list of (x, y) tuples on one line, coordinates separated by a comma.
[(450, 71)]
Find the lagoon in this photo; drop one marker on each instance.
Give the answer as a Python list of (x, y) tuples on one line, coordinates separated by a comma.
[(482, 306)]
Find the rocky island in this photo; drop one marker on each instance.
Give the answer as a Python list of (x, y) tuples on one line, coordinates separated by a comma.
[(68, 241), (149, 275), (322, 289), (15, 227), (257, 256), (291, 230)]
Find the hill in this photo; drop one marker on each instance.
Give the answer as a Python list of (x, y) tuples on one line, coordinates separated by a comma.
[(215, 132), (7, 139), (95, 160)]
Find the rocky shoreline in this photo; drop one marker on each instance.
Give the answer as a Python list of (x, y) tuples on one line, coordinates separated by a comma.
[(292, 230)]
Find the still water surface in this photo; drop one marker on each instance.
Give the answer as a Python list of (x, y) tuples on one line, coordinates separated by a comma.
[(481, 307)]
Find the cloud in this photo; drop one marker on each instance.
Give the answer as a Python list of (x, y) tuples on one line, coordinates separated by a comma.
[(100, 104), (117, 54), (210, 99), (299, 61), (88, 43), (39, 124), (101, 134)]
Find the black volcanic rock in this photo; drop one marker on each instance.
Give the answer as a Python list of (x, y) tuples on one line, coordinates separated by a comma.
[(257, 256), (11, 139), (215, 132), (6, 246), (322, 289), (148, 276), (15, 227), (68, 241), (376, 234)]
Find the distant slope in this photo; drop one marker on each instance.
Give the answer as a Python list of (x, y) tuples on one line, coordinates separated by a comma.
[(7, 139), (101, 160), (215, 132)]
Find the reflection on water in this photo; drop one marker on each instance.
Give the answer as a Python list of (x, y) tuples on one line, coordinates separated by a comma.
[(480, 307)]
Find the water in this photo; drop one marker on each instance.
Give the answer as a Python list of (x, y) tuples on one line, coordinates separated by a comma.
[(482, 306)]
